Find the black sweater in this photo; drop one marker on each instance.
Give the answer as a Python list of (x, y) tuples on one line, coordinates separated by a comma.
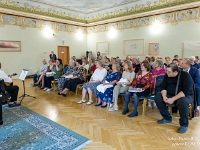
[(185, 84)]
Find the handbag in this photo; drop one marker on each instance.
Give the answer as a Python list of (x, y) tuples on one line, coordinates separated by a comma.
[(50, 74)]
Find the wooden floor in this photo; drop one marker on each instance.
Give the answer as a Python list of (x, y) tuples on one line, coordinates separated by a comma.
[(111, 130)]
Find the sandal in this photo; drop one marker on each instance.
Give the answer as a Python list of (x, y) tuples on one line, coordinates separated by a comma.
[(90, 102)]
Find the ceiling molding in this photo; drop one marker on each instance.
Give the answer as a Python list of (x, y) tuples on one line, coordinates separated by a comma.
[(33, 12), (35, 16), (150, 13)]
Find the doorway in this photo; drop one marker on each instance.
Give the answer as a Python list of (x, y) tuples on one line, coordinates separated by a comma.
[(64, 54)]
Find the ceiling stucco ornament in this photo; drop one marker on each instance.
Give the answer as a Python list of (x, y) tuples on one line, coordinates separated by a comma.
[(117, 13)]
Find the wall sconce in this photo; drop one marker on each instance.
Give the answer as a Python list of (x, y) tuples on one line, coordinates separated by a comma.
[(112, 33), (48, 32)]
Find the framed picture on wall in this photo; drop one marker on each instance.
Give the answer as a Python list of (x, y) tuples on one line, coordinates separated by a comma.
[(102, 47), (18, 49), (153, 49), (134, 47)]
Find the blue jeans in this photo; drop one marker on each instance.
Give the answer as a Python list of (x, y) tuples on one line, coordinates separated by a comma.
[(35, 78)]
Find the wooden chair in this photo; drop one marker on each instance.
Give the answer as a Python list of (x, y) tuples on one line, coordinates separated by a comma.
[(54, 84)]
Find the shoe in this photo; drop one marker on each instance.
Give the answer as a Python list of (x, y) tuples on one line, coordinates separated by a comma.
[(110, 105), (164, 121), (98, 104), (111, 109), (49, 89), (64, 95), (133, 115), (59, 93), (125, 111), (182, 129), (41, 88), (81, 101), (104, 106), (14, 104), (4, 102), (115, 108), (45, 89), (196, 113), (90, 102)]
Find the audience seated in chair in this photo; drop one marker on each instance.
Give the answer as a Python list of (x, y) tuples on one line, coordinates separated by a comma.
[(78, 78), (123, 85), (142, 83), (180, 94), (56, 72), (12, 89), (196, 78), (193, 63), (71, 69), (36, 77), (158, 70), (96, 79), (106, 94)]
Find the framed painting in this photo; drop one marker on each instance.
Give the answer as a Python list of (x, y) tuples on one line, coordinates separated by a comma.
[(134, 47), (102, 47), (153, 49), (17, 49)]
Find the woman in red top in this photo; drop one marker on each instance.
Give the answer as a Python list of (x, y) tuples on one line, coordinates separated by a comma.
[(142, 83)]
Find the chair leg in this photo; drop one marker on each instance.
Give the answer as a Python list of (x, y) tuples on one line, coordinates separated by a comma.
[(144, 106), (170, 110), (190, 107)]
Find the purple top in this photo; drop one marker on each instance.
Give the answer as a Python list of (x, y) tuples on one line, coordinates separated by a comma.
[(155, 73)]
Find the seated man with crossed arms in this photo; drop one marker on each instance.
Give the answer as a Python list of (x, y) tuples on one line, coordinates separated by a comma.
[(12, 89), (181, 95)]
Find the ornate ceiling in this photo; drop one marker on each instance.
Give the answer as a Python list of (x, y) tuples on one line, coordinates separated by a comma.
[(93, 11)]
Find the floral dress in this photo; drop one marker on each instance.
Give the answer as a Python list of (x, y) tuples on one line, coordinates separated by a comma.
[(107, 96)]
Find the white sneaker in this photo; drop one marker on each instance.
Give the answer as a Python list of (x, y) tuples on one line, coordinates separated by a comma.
[(49, 89), (81, 101), (90, 102), (111, 109), (149, 104), (45, 89)]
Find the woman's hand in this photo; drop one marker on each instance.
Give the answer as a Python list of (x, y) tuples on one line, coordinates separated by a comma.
[(130, 87)]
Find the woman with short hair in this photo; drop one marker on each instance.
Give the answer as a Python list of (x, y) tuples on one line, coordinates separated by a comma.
[(69, 71), (108, 84), (96, 79), (78, 78)]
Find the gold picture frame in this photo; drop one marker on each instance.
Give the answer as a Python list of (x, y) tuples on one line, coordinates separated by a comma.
[(102, 47), (134, 47), (18, 49), (153, 49)]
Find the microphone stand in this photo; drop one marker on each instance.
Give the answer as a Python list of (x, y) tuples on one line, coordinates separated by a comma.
[(25, 95)]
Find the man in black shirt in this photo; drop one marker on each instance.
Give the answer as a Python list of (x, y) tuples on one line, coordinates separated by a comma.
[(181, 96)]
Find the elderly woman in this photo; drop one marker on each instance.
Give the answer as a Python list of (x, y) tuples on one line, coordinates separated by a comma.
[(56, 69), (124, 83), (96, 79), (85, 63), (72, 67), (142, 84), (110, 81), (78, 78), (167, 61)]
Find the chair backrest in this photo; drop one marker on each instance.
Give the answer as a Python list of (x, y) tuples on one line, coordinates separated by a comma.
[(158, 82)]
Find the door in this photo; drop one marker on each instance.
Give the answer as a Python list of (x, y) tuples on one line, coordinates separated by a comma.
[(64, 54)]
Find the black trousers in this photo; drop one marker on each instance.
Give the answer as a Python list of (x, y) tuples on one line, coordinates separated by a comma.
[(182, 105), (47, 81), (13, 90), (72, 83)]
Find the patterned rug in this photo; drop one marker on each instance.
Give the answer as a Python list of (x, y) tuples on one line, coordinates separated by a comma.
[(26, 130)]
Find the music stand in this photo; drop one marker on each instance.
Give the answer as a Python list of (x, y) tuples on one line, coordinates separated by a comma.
[(22, 77)]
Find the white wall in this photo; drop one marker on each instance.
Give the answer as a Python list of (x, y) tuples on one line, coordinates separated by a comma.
[(169, 37), (34, 45)]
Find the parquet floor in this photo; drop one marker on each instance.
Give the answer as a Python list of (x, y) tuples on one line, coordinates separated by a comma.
[(111, 130)]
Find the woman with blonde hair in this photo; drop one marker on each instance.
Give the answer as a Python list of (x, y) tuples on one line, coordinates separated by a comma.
[(123, 84)]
